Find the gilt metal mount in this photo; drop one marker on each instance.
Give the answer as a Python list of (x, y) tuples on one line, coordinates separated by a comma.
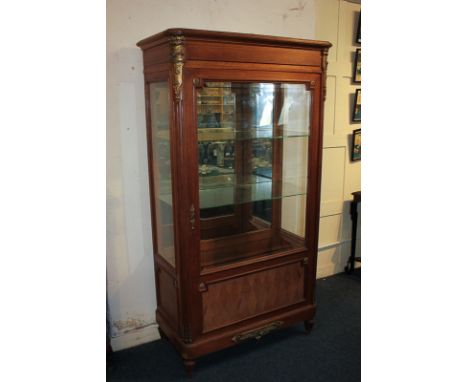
[(257, 333), (178, 58)]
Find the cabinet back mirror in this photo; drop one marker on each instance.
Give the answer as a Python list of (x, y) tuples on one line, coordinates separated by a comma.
[(252, 165)]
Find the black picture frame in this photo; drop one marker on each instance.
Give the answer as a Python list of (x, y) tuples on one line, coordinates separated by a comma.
[(357, 67), (358, 30), (357, 106), (356, 146)]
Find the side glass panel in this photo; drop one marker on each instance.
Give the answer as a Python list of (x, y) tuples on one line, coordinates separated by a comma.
[(252, 156), (159, 105)]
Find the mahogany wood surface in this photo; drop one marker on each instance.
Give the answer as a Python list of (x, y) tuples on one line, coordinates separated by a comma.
[(168, 298), (230, 301), (223, 338), (203, 304), (229, 37), (220, 51)]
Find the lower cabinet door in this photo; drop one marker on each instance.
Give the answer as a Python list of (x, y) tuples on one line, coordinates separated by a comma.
[(229, 301)]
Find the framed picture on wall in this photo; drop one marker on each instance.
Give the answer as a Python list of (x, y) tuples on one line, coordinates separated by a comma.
[(357, 106), (358, 30), (356, 149), (357, 66)]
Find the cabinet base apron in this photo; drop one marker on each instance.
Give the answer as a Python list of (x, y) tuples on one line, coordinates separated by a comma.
[(235, 334)]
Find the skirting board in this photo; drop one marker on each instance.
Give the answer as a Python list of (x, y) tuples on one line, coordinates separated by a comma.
[(332, 269), (330, 245), (135, 337), (332, 258)]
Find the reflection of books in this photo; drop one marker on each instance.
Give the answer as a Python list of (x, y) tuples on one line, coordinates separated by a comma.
[(216, 134), (212, 170)]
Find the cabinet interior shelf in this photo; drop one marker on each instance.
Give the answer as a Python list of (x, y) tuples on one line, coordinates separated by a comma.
[(209, 103), (224, 191), (230, 134), (227, 133)]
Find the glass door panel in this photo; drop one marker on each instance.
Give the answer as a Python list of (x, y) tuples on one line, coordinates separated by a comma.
[(162, 178), (252, 157)]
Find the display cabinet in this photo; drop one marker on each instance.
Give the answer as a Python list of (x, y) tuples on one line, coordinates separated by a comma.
[(234, 127)]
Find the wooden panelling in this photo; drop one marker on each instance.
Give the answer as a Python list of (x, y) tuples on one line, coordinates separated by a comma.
[(329, 125), (333, 173), (230, 301), (216, 51), (335, 141), (336, 21), (330, 230), (331, 207)]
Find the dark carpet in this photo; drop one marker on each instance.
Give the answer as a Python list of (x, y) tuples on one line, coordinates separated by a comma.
[(331, 353)]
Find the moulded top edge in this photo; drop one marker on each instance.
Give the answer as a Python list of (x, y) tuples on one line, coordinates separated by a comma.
[(232, 37)]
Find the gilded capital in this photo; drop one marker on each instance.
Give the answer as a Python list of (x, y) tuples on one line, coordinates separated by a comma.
[(324, 72), (177, 58)]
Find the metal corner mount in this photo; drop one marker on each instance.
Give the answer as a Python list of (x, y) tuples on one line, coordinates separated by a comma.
[(324, 71), (177, 58)]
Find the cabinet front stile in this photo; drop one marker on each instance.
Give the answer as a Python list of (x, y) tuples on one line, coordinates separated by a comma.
[(188, 210)]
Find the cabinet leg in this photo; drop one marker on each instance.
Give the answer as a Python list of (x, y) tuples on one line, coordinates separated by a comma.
[(189, 364), (162, 334), (308, 326)]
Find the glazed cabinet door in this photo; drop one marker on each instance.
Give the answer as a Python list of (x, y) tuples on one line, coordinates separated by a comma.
[(245, 131), (252, 152)]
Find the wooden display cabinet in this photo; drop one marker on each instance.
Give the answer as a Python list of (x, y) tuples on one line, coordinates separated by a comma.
[(234, 126)]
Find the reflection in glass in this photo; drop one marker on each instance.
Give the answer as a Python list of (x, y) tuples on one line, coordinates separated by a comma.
[(252, 164), (162, 179)]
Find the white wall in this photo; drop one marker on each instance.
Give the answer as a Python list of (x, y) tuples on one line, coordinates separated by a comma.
[(130, 274)]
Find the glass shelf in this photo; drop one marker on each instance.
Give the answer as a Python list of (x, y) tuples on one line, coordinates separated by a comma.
[(224, 190), (230, 134), (209, 103), (264, 132), (219, 191), (230, 180), (266, 87)]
